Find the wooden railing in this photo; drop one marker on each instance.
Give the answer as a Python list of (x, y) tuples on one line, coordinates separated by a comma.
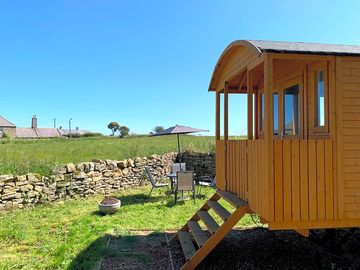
[(242, 171), (300, 186)]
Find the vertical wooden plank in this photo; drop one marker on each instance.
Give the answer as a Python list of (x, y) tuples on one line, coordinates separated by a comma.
[(249, 104), (320, 177), (263, 177), (257, 175), (304, 181), (329, 184), (228, 160), (295, 179), (231, 176), (268, 134), (236, 167), (279, 210), (235, 164), (287, 179), (334, 127), (251, 172), (217, 116), (247, 170), (244, 166), (226, 111), (228, 165), (339, 141), (220, 164), (226, 130), (312, 180)]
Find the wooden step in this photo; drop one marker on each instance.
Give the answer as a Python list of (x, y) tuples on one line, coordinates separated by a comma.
[(187, 244), (219, 209), (199, 234), (231, 198), (209, 221)]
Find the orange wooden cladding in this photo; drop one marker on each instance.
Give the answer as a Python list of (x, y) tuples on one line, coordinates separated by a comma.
[(245, 172), (303, 180), (220, 164), (303, 177)]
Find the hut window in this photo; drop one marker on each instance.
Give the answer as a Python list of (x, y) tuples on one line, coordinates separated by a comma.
[(262, 114), (276, 114), (292, 110), (320, 98)]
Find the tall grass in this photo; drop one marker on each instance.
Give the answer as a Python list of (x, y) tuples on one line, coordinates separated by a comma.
[(40, 156)]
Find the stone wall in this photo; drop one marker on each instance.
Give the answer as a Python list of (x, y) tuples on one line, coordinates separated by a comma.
[(96, 177), (80, 180), (200, 163)]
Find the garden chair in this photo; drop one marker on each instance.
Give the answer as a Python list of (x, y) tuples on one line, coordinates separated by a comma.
[(206, 181), (152, 180), (176, 167), (185, 182)]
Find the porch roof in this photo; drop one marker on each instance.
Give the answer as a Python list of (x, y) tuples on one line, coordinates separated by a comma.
[(260, 46)]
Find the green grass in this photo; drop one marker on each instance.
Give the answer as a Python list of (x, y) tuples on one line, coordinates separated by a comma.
[(72, 235), (40, 156)]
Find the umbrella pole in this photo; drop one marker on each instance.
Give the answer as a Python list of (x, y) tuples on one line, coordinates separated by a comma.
[(178, 141)]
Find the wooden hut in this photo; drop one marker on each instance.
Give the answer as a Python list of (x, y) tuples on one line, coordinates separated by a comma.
[(299, 167)]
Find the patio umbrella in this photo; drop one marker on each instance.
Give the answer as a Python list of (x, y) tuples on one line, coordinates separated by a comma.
[(178, 130)]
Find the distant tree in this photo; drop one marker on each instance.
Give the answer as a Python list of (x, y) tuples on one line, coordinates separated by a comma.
[(114, 126), (158, 128), (124, 131)]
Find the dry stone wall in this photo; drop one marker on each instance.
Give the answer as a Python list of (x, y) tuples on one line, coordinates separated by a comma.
[(80, 180), (96, 177), (200, 163)]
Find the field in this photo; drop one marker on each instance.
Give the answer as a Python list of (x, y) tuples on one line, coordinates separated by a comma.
[(40, 156), (72, 234)]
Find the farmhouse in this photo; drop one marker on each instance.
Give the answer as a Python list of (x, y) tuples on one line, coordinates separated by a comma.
[(27, 133), (7, 127), (299, 168)]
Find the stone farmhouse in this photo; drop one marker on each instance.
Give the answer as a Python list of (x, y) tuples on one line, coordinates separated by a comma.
[(33, 132)]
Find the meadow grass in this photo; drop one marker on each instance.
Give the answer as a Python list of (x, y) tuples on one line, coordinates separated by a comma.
[(72, 235), (40, 156)]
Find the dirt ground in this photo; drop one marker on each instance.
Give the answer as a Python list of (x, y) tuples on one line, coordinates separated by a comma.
[(256, 248)]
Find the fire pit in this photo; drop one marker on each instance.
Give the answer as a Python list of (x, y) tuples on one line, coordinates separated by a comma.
[(109, 205)]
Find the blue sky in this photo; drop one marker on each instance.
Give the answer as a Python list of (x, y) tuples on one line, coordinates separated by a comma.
[(142, 62)]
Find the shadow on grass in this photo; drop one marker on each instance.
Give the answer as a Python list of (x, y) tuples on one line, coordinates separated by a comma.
[(141, 250), (90, 258)]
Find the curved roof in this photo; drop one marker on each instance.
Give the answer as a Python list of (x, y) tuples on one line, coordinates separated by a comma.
[(261, 46)]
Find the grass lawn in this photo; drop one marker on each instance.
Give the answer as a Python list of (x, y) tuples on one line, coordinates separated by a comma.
[(55, 236), (40, 156)]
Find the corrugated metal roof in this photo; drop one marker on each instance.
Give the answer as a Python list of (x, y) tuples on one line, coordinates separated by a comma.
[(305, 47), (5, 123)]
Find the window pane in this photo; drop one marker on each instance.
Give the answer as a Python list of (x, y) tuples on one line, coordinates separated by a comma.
[(292, 110), (262, 111), (276, 114), (320, 98)]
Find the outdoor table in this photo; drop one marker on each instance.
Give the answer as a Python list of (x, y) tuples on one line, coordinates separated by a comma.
[(172, 177)]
